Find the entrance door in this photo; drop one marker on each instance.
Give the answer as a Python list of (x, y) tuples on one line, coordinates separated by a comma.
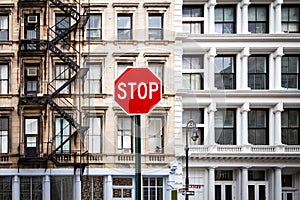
[(224, 190), (257, 191)]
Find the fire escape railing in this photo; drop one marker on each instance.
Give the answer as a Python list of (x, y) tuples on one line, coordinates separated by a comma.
[(57, 41)]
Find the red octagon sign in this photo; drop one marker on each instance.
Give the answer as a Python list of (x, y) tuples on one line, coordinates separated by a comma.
[(137, 90)]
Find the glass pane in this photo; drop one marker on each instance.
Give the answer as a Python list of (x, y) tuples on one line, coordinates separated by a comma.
[(251, 14), (31, 126), (262, 14), (294, 14), (124, 22), (284, 119), (262, 192), (293, 118), (186, 81), (155, 21), (228, 28), (228, 192), (229, 14), (219, 28), (261, 137), (195, 81), (251, 192), (261, 119), (218, 192), (218, 14), (285, 14), (261, 64)]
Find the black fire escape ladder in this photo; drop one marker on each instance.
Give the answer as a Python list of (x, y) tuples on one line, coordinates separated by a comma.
[(73, 67)]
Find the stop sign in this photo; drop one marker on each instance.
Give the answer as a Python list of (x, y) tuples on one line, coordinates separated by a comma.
[(137, 90)]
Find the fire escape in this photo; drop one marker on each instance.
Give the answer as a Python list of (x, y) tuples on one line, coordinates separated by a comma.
[(59, 45)]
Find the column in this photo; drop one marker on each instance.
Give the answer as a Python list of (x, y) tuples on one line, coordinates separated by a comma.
[(245, 54), (277, 123), (47, 188), (244, 111), (277, 184), (108, 188), (277, 71), (244, 185), (211, 117), (277, 7), (211, 16), (244, 6), (211, 68), (211, 183), (15, 188), (77, 187)]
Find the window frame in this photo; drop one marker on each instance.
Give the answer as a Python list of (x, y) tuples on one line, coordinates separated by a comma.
[(122, 187), (121, 30), (288, 21), (93, 135), (6, 192), (256, 128), (66, 148), (265, 74), (191, 71), (61, 182), (148, 189), (192, 20), (161, 137), (121, 132), (287, 74), (3, 135), (228, 128), (62, 76), (91, 190), (256, 22), (89, 84), (5, 29), (231, 75), (159, 29), (223, 21), (4, 79), (32, 190), (290, 127), (92, 29), (191, 113), (59, 22)]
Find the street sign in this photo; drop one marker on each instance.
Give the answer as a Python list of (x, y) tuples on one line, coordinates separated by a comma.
[(137, 90), (190, 193)]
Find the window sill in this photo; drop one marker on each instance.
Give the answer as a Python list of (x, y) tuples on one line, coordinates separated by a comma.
[(101, 42), (157, 42), (8, 42), (125, 42)]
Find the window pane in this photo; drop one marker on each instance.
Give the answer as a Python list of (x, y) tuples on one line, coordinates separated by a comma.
[(124, 22), (155, 21), (262, 14), (251, 14), (31, 126), (218, 14), (229, 14), (294, 14)]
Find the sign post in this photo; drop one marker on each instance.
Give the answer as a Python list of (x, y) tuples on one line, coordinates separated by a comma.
[(137, 91)]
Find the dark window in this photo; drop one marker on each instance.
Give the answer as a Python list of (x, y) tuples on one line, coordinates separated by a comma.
[(4, 27), (124, 26), (31, 132), (287, 181), (224, 175), (92, 188), (191, 22), (225, 72), (225, 20), (61, 187), (62, 24), (258, 19), (153, 188), (192, 68), (290, 127), (4, 130), (155, 30), (32, 30), (5, 187), (31, 79), (31, 187), (290, 18), (93, 27), (62, 75), (62, 133), (258, 127), (198, 116), (122, 188), (225, 130), (256, 175), (258, 72), (290, 72)]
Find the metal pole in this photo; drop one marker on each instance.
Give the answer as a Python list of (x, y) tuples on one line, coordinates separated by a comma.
[(186, 163), (138, 174)]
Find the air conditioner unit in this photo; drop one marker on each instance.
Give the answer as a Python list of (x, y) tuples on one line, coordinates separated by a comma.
[(32, 19), (32, 71)]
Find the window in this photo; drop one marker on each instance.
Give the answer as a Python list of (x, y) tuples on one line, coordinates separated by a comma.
[(225, 127), (257, 185), (258, 72), (93, 81), (155, 24), (192, 21), (153, 188), (122, 188), (125, 134), (157, 69), (94, 135), (290, 127), (124, 26), (61, 187), (224, 185), (62, 75), (225, 19), (31, 187), (258, 127), (122, 66), (4, 127), (3, 27), (5, 187), (92, 187), (258, 19), (62, 133), (31, 131), (4, 78), (32, 30), (198, 116), (288, 191), (93, 27), (62, 24), (287, 181), (290, 72), (31, 80), (225, 72), (192, 72), (290, 18), (156, 134)]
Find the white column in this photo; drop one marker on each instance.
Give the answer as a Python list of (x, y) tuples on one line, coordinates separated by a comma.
[(277, 123), (211, 115), (211, 183), (277, 71), (211, 68), (47, 188), (277, 184), (245, 54), (244, 189), (108, 188), (277, 6), (211, 16), (15, 188), (244, 110), (244, 6), (77, 187)]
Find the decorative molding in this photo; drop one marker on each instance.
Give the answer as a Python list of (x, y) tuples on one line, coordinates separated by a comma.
[(125, 5)]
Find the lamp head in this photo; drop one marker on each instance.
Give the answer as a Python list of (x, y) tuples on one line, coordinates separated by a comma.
[(195, 135)]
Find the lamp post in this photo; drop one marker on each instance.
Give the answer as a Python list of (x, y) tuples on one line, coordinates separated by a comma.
[(191, 124)]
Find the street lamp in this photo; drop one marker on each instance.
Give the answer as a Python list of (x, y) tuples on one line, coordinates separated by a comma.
[(191, 124)]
